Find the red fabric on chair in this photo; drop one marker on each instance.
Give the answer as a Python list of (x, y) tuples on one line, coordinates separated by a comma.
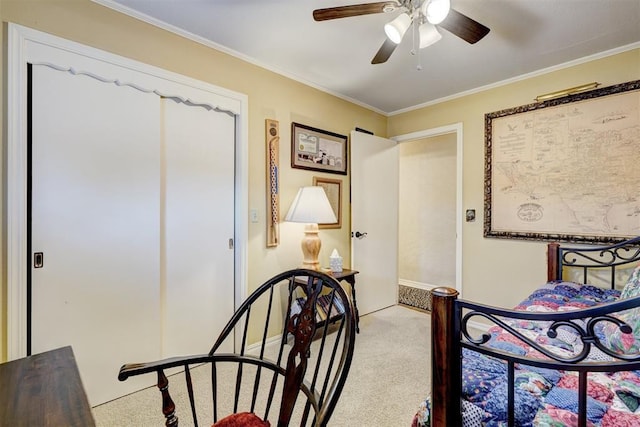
[(242, 419)]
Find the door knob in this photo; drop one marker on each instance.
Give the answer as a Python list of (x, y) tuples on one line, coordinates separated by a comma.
[(359, 235)]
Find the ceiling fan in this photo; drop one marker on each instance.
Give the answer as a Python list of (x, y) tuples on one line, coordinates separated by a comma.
[(424, 15)]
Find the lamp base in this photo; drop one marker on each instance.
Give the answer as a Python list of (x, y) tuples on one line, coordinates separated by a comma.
[(311, 247)]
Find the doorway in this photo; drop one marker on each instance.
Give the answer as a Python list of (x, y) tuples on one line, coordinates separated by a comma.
[(368, 201), (430, 194)]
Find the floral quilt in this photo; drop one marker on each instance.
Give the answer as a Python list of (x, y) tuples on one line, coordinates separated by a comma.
[(545, 397)]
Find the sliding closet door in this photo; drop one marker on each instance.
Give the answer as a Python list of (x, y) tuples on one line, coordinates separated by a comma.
[(198, 183), (95, 218)]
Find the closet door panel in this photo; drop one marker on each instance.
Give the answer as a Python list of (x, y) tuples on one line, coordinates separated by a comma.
[(199, 221), (95, 217)]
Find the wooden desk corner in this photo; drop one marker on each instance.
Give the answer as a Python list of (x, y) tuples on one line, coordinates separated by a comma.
[(44, 390)]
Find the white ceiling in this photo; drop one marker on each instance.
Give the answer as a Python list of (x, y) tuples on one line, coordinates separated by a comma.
[(526, 36)]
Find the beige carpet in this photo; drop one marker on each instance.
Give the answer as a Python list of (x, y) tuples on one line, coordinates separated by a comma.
[(389, 377)]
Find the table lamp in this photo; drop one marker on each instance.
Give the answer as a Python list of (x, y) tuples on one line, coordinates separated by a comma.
[(311, 206)]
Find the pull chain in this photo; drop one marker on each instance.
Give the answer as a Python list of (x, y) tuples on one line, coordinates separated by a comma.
[(416, 44)]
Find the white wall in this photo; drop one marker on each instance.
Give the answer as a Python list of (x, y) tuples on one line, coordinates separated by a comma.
[(427, 231)]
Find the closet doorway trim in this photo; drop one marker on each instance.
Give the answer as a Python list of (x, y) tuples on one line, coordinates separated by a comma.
[(26, 45)]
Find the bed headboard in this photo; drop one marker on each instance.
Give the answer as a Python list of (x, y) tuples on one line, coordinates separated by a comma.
[(587, 259)]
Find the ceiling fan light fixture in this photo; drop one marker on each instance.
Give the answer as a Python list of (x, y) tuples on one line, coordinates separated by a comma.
[(395, 29), (429, 34), (436, 10)]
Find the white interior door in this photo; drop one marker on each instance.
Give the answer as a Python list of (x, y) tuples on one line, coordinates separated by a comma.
[(95, 197), (54, 184), (374, 211), (198, 281), (133, 211)]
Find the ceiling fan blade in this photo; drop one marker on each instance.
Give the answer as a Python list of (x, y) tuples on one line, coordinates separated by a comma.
[(384, 52), (464, 27), (354, 10)]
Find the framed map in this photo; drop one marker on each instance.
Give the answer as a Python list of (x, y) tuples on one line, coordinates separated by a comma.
[(567, 169)]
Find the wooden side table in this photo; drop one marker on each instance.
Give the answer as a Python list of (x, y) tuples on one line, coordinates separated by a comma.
[(44, 390), (348, 276)]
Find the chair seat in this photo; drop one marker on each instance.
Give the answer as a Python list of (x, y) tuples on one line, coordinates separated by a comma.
[(242, 419)]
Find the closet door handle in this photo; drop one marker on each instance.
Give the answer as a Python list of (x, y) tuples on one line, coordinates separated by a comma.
[(359, 235), (38, 260)]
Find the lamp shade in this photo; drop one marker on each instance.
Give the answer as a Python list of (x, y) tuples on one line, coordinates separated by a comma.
[(395, 29), (436, 10), (311, 205), (429, 34)]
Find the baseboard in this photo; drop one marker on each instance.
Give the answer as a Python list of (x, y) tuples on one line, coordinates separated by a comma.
[(418, 285)]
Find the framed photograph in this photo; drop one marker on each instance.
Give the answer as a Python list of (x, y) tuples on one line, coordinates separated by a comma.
[(333, 188), (318, 150), (565, 169)]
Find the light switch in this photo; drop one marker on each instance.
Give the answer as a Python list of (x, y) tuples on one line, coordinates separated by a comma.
[(253, 214), (470, 215)]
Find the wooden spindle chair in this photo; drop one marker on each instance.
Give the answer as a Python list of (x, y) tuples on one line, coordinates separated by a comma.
[(294, 340)]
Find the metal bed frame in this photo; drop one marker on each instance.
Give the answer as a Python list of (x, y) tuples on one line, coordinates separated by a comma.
[(450, 334)]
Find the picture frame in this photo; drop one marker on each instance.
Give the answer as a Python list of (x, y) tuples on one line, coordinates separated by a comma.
[(562, 169), (333, 189), (318, 150)]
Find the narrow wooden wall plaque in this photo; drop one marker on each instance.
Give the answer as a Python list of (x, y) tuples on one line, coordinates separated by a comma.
[(272, 137)]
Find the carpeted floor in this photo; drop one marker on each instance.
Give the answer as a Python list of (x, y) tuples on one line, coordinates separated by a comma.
[(389, 377)]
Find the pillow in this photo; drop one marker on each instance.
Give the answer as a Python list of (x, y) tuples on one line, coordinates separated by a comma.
[(242, 419), (616, 340), (632, 287), (620, 342)]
